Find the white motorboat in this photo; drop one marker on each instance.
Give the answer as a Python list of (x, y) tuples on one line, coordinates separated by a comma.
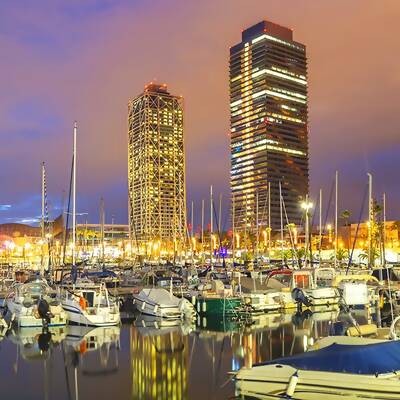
[(83, 338), (357, 289), (35, 304), (257, 296), (35, 342), (342, 367), (305, 290), (89, 304), (161, 303)]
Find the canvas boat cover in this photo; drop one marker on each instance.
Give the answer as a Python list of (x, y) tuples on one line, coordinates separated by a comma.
[(369, 359), (160, 296)]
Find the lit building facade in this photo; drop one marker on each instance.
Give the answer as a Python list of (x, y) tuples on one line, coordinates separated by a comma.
[(156, 166), (269, 132), (159, 364)]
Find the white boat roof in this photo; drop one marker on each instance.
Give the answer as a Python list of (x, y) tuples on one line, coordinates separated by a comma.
[(160, 295)]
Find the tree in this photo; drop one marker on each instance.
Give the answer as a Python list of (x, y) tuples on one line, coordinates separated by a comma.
[(364, 256), (346, 216), (342, 256)]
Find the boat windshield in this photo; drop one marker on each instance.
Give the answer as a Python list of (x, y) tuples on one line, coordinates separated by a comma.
[(283, 278), (89, 297), (302, 281), (35, 288), (324, 278)]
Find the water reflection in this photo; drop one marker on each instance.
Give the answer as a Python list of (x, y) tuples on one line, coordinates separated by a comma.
[(150, 359), (159, 360), (79, 343)]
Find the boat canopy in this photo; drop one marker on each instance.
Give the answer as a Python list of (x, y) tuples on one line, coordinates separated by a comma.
[(160, 296), (105, 273), (384, 273), (368, 359)]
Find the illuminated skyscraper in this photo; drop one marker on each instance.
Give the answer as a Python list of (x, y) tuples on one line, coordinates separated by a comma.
[(159, 363), (269, 137), (156, 167)]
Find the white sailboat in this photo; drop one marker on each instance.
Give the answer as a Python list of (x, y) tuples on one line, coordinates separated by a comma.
[(86, 303)]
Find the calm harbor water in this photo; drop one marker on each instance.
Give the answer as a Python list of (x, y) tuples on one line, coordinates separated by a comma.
[(142, 360)]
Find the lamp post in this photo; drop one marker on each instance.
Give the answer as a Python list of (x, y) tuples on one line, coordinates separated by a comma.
[(306, 206)]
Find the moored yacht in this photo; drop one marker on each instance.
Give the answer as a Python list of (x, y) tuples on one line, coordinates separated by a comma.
[(342, 367), (88, 303), (160, 303), (304, 290), (35, 304)]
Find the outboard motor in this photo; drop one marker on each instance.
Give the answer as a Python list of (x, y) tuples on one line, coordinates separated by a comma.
[(44, 312), (300, 298), (44, 341)]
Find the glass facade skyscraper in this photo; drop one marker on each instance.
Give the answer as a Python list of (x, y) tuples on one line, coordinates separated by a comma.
[(156, 167), (269, 131)]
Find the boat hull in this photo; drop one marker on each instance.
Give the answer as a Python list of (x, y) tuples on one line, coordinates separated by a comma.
[(27, 317), (274, 380), (104, 316), (156, 310), (218, 306)]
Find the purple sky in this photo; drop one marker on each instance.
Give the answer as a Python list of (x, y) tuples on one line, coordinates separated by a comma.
[(62, 61)]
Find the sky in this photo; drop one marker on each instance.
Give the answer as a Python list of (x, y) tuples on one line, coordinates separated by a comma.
[(66, 60)]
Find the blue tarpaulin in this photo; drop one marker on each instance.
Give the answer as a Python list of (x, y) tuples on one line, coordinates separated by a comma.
[(369, 359), (100, 274)]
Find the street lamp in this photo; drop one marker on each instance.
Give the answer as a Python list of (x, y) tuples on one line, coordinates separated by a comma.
[(237, 240), (306, 206), (265, 235)]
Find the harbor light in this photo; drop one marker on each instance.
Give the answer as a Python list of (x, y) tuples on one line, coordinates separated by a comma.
[(214, 241), (237, 240), (306, 205)]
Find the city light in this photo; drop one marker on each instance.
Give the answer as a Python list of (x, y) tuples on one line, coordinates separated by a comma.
[(306, 205)]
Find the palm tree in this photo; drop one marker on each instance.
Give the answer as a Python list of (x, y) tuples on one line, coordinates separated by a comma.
[(342, 255), (395, 227), (374, 255), (346, 215)]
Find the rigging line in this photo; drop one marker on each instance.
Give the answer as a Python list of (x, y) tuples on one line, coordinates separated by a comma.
[(216, 219), (329, 207), (358, 226), (68, 212), (264, 211), (314, 213), (290, 234)]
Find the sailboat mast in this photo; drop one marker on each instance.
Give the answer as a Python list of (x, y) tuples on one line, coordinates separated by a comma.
[(233, 230), (257, 232), (102, 218), (74, 197), (211, 223), (202, 227), (219, 225), (192, 221), (43, 201), (281, 215), (370, 219), (320, 226), (384, 229), (306, 232), (336, 216), (269, 222), (191, 238)]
